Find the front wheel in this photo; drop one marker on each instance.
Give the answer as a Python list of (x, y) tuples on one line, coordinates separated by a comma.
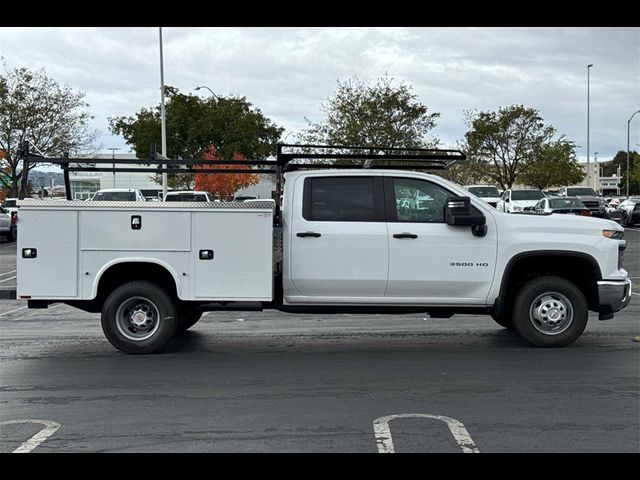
[(550, 312), (625, 220), (139, 317)]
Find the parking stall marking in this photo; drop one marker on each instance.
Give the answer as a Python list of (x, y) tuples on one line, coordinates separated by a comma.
[(11, 311), (384, 440), (7, 279), (7, 273), (35, 441)]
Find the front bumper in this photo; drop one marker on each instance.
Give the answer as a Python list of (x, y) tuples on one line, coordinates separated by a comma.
[(614, 295)]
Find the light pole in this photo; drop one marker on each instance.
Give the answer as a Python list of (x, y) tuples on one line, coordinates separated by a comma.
[(204, 86), (588, 111), (113, 157), (628, 127), (163, 125)]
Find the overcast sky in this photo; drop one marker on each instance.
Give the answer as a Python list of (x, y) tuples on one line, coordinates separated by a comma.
[(288, 72)]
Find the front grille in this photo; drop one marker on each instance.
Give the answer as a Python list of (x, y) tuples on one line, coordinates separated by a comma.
[(592, 205)]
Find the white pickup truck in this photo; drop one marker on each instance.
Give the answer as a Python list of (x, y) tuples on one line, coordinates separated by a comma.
[(348, 240)]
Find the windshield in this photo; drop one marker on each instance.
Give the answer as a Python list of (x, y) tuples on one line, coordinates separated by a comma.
[(589, 192), (484, 191), (565, 203), (115, 196), (10, 203), (526, 195), (186, 197)]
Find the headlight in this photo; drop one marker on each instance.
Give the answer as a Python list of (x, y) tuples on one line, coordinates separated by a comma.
[(614, 234), (603, 203)]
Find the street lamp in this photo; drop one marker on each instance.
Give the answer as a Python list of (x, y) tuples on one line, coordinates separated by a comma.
[(163, 119), (628, 127), (588, 108), (204, 86), (113, 157)]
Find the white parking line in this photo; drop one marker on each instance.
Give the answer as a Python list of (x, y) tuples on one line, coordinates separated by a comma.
[(49, 429), (457, 428), (7, 273), (15, 310), (7, 279), (634, 293)]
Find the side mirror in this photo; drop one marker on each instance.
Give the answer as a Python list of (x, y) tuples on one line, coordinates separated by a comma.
[(457, 211), (506, 199)]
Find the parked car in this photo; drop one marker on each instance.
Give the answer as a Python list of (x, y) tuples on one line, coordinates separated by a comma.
[(8, 225), (628, 212), (118, 195), (488, 193), (566, 205), (10, 204), (515, 201), (589, 197), (187, 196)]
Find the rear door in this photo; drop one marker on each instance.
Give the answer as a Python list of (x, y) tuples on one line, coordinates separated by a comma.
[(429, 261), (338, 239)]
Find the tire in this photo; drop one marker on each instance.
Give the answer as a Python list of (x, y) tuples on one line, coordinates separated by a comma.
[(504, 321), (155, 319), (187, 318), (550, 312), (625, 220)]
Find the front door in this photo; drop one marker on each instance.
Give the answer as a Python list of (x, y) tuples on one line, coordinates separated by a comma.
[(429, 261), (338, 240)]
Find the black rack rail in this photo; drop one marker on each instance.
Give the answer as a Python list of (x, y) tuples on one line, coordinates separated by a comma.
[(289, 157)]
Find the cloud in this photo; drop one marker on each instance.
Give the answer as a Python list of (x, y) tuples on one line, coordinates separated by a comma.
[(288, 72)]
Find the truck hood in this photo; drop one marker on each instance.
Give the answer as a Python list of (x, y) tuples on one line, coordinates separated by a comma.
[(490, 199), (524, 203), (559, 224), (588, 198)]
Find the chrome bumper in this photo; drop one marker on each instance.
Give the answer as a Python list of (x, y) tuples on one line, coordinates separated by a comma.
[(613, 296)]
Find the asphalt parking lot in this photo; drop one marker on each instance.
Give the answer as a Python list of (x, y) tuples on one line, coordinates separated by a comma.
[(274, 382)]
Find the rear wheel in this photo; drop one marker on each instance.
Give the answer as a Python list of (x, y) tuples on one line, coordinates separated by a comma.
[(550, 312), (139, 317)]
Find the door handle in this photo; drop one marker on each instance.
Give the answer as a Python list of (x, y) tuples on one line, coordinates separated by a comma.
[(308, 234), (405, 235)]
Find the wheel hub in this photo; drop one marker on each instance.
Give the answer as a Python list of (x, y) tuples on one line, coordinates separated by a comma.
[(137, 318), (551, 313)]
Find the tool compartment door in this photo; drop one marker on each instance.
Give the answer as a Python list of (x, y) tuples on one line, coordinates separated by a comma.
[(53, 272), (241, 246)]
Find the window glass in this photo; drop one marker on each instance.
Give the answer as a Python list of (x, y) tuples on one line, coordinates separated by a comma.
[(526, 195), (419, 201), (342, 199)]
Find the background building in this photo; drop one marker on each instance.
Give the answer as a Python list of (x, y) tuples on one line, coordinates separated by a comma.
[(85, 184)]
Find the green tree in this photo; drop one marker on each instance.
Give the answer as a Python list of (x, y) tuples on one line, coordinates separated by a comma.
[(507, 142), (35, 108), (554, 165), (193, 123), (619, 161), (379, 114)]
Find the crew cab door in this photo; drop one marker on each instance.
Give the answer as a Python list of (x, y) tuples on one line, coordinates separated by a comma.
[(429, 261), (338, 246)]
